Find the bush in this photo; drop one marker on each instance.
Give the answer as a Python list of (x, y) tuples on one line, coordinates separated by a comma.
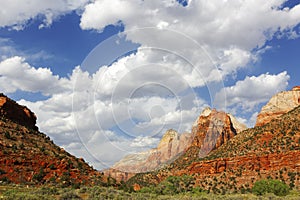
[(175, 185), (7, 135), (270, 186), (47, 191), (69, 195), (39, 176), (198, 191), (2, 172), (147, 190), (5, 180)]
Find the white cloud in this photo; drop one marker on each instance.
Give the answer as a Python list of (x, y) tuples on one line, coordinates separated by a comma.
[(101, 13), (17, 74), (252, 91), (16, 14), (112, 118), (147, 141), (230, 31)]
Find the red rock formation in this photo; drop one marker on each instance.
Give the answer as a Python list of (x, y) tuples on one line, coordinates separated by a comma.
[(30, 157), (242, 171), (117, 174), (279, 104), (212, 129), (296, 88), (267, 162), (9, 109), (270, 151), (170, 146)]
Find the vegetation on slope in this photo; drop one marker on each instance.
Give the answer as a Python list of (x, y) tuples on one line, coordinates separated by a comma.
[(11, 192), (268, 152), (278, 136), (30, 157)]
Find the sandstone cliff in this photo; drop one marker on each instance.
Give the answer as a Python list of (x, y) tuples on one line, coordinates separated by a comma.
[(170, 146), (268, 151), (30, 157), (9, 109), (211, 129), (279, 104)]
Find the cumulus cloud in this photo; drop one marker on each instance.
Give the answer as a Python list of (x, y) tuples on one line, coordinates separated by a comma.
[(16, 14), (110, 113), (252, 91), (17, 74), (230, 31), (144, 141)]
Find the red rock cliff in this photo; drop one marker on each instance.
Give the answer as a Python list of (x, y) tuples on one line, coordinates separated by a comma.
[(212, 129), (279, 104), (9, 109)]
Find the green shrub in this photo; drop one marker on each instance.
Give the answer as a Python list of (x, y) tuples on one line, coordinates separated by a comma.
[(2, 172), (270, 186), (47, 191), (5, 180), (147, 190), (7, 135), (52, 166), (39, 176), (198, 191), (175, 185), (69, 195)]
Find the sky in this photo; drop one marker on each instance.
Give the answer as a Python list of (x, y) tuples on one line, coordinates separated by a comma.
[(107, 78)]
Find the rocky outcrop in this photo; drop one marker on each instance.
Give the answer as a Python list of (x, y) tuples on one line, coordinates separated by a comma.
[(30, 157), (212, 129), (117, 174), (238, 126), (250, 162), (170, 146), (9, 109), (268, 151), (296, 88), (278, 105), (242, 171)]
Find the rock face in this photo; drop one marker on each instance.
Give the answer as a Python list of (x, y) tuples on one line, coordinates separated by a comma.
[(30, 157), (210, 130), (296, 88), (170, 146), (9, 109), (238, 126), (279, 104), (268, 151)]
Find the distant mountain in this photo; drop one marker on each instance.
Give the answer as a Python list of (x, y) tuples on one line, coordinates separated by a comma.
[(219, 159), (279, 104), (28, 156), (211, 129)]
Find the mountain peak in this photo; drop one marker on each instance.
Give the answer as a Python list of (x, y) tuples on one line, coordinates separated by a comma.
[(21, 115), (278, 105), (211, 129), (205, 112), (296, 88), (168, 137)]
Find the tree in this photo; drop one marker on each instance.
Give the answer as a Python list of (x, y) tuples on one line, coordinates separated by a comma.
[(176, 184), (270, 186)]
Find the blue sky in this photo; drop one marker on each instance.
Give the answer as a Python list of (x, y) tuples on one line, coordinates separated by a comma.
[(108, 78)]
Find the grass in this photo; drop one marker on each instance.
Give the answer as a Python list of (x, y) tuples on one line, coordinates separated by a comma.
[(17, 192)]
